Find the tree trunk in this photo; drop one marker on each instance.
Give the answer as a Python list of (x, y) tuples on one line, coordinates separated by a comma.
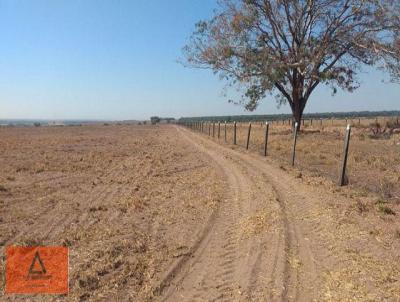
[(297, 110), (298, 99)]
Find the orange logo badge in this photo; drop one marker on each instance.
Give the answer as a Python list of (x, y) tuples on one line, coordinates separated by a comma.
[(37, 270)]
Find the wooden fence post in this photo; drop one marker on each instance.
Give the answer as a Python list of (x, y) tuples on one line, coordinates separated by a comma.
[(213, 129), (342, 178), (266, 138), (219, 129), (248, 137), (234, 133), (209, 129), (225, 131), (294, 142)]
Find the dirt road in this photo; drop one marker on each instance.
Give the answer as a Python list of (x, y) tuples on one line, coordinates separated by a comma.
[(275, 239)]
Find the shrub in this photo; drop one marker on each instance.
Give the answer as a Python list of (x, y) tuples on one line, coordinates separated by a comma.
[(386, 131), (386, 188), (385, 210)]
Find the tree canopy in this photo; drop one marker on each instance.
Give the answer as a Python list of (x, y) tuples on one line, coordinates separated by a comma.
[(288, 47)]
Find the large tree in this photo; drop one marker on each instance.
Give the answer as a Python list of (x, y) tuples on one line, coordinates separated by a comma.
[(288, 47)]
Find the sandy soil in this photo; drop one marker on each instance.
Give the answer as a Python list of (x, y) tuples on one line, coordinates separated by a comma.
[(166, 214), (126, 200)]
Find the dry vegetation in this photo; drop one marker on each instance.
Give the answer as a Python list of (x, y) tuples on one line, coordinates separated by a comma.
[(131, 201), (374, 161), (117, 196)]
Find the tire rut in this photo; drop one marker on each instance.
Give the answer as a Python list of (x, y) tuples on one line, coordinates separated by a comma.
[(233, 266), (300, 273), (57, 222)]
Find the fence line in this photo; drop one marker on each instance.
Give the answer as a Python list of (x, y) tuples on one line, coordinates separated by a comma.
[(200, 126)]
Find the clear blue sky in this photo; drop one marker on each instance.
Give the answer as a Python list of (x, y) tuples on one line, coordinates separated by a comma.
[(104, 59)]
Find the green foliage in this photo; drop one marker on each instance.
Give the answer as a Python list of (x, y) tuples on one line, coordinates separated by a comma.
[(287, 48), (154, 120), (385, 210)]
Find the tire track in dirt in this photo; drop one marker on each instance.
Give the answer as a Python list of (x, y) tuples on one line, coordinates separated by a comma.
[(288, 258), (101, 195), (228, 265), (57, 223), (207, 249), (293, 205), (301, 278), (296, 250)]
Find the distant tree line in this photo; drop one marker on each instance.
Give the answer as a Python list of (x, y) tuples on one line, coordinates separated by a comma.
[(155, 119), (274, 117)]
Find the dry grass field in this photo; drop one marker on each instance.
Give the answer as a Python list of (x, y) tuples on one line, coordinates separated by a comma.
[(161, 213), (117, 196), (373, 164)]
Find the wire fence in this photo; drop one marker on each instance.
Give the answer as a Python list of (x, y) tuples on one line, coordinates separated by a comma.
[(372, 164)]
